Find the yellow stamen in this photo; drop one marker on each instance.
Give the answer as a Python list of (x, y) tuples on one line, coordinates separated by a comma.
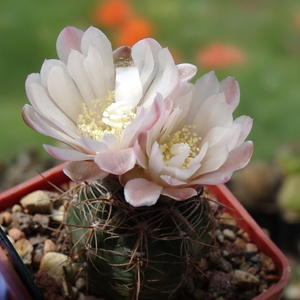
[(106, 117), (178, 142)]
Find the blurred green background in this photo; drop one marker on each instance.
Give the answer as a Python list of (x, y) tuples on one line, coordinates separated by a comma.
[(267, 31)]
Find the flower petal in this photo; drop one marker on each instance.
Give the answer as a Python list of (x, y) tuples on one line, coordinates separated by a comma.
[(186, 71), (205, 86), (77, 71), (64, 92), (128, 86), (237, 159), (95, 68), (41, 101), (145, 57), (46, 127), (66, 154), (171, 180), (179, 193), (68, 39), (231, 89), (94, 38), (141, 192), (116, 162), (84, 171)]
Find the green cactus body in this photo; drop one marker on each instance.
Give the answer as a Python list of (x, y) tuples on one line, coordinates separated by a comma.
[(136, 252)]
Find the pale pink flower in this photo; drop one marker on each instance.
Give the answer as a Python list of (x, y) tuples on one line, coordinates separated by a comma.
[(97, 101), (194, 142)]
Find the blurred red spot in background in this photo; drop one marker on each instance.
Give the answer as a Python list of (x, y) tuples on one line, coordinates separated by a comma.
[(219, 55), (112, 13), (134, 30)]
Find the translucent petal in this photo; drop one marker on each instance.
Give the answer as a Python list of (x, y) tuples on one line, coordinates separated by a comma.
[(116, 162), (141, 192), (84, 171)]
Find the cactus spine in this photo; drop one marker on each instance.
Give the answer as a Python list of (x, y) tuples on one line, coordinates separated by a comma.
[(136, 253)]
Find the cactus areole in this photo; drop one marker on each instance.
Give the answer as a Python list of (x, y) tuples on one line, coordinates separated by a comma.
[(136, 253)]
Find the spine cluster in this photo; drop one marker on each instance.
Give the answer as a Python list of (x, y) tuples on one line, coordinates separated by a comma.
[(136, 253)]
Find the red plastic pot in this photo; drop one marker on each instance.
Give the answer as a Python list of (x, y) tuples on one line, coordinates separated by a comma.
[(265, 245)]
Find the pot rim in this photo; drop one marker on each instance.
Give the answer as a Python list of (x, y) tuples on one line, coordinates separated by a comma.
[(56, 175)]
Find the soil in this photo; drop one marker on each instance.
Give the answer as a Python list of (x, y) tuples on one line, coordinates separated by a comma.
[(232, 268)]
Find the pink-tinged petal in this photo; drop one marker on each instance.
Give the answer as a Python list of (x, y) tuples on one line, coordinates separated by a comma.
[(212, 178), (136, 172), (145, 119), (94, 68), (156, 129), (84, 171), (93, 145), (46, 127), (145, 57), (224, 136), (181, 97), (247, 123), (186, 71), (179, 194), (46, 68), (166, 79), (67, 154), (77, 71), (141, 192), (231, 89), (214, 112), (205, 86), (68, 39), (156, 162), (44, 105), (213, 160), (94, 38), (111, 141), (116, 162), (178, 159), (186, 174), (129, 88), (171, 181), (64, 93), (140, 155), (237, 159)]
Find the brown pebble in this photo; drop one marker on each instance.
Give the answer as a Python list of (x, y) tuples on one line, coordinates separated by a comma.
[(240, 243), (16, 208), (16, 234), (272, 277), (227, 219), (24, 249), (40, 223), (253, 270), (6, 216), (49, 246), (246, 237), (245, 277), (22, 221), (267, 264)]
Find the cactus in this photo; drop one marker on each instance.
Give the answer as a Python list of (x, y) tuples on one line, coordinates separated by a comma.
[(136, 252)]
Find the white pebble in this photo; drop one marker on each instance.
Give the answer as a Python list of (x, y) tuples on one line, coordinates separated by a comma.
[(16, 208)]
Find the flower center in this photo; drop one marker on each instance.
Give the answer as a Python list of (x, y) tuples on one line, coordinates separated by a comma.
[(180, 141), (106, 118)]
